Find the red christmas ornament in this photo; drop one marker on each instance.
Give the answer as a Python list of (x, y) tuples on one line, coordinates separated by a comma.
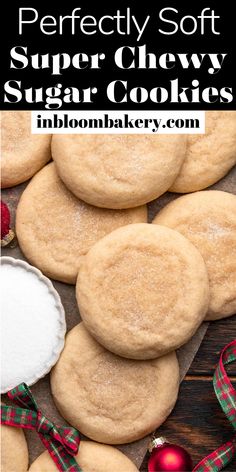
[(166, 457), (6, 233)]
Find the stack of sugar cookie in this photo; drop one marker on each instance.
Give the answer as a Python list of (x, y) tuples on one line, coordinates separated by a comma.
[(91, 456), (142, 289)]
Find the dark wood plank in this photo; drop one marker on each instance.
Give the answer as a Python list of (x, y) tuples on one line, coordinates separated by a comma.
[(197, 422), (218, 335)]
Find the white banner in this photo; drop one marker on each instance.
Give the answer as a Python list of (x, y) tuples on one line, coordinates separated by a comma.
[(118, 122)]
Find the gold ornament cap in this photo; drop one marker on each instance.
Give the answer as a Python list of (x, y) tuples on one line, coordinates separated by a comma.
[(8, 238)]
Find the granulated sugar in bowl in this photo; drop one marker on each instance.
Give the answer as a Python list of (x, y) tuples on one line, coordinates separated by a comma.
[(32, 324)]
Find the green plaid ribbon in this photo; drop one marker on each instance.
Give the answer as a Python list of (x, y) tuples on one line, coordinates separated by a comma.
[(62, 443), (226, 395)]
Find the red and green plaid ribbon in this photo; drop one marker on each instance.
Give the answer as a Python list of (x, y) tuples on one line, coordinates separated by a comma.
[(226, 395), (62, 443)]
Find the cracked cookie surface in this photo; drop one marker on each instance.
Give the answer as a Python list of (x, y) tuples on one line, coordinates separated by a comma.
[(118, 171), (208, 220), (209, 156), (55, 229), (108, 398), (142, 291)]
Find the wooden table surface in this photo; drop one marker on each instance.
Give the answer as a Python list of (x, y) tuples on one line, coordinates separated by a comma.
[(197, 422)]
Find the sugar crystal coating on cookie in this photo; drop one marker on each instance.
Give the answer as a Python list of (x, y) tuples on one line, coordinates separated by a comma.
[(209, 156), (208, 220), (55, 229), (108, 398), (142, 291), (23, 153), (113, 171)]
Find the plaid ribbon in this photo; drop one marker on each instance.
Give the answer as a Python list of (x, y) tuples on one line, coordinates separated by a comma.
[(62, 443), (226, 395)]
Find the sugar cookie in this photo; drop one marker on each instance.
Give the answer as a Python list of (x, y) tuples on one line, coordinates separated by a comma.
[(23, 154), (208, 156), (92, 457), (14, 450), (108, 398), (142, 291), (118, 171), (208, 220), (55, 229)]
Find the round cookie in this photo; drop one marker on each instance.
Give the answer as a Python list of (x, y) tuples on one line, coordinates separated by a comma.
[(23, 153), (118, 171), (108, 398), (210, 156), (14, 450), (142, 291), (92, 457), (55, 229), (208, 220)]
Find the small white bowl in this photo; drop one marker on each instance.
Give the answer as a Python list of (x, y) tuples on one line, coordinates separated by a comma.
[(30, 347)]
